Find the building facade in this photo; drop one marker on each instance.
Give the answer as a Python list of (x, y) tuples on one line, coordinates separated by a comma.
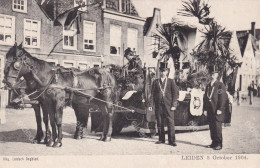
[(106, 30), (24, 22), (151, 44), (250, 68)]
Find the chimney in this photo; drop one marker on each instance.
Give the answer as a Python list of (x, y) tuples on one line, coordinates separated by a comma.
[(253, 28)]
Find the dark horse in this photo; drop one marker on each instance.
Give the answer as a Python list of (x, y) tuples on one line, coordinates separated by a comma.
[(21, 88), (52, 84), (17, 99)]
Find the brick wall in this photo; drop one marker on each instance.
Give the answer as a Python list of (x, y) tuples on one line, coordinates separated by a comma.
[(93, 14), (50, 34), (33, 12), (108, 59)]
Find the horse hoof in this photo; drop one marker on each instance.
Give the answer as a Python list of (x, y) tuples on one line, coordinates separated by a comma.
[(57, 145), (45, 141), (102, 138), (35, 141), (49, 143), (107, 139), (77, 137)]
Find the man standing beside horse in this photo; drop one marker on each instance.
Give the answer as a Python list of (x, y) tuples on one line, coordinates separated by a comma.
[(164, 95)]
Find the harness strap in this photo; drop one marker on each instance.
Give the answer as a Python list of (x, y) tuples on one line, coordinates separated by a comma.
[(79, 91)]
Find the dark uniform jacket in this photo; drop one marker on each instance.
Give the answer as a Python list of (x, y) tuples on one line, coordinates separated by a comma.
[(171, 94), (215, 98)]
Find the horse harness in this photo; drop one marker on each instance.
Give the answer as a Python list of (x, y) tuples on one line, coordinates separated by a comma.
[(18, 67), (70, 91)]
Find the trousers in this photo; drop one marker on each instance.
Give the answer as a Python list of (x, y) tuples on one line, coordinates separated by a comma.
[(163, 115), (216, 132)]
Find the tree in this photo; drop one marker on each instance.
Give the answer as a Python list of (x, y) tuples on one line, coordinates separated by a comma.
[(168, 37), (214, 49)]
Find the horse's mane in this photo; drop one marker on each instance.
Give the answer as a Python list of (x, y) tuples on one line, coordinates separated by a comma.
[(41, 63), (10, 51), (100, 75)]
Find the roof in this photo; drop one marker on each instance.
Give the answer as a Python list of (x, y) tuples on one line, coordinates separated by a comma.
[(243, 37), (178, 22), (257, 33), (152, 21), (147, 24)]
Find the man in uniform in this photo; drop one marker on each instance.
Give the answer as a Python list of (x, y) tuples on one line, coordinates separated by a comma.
[(214, 105), (164, 95)]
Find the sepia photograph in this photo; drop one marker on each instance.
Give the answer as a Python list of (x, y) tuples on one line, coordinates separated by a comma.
[(144, 79)]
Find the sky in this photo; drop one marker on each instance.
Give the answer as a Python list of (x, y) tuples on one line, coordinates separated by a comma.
[(232, 14)]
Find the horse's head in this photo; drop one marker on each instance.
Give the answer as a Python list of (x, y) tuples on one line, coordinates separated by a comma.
[(15, 66)]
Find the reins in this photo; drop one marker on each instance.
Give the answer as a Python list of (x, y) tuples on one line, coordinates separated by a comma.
[(43, 89)]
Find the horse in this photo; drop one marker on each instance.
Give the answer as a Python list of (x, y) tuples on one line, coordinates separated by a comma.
[(17, 95), (51, 81), (21, 88)]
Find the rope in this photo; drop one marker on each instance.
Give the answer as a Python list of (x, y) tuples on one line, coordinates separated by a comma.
[(46, 87), (77, 89), (85, 94)]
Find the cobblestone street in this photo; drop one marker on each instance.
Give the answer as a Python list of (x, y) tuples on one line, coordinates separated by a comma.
[(241, 137)]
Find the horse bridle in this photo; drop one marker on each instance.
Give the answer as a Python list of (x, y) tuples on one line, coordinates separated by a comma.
[(18, 69), (18, 65)]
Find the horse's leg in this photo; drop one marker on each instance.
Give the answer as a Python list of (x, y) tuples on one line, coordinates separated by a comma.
[(46, 123), (110, 122), (108, 113), (58, 118), (45, 108), (78, 124), (85, 121), (105, 116), (39, 135), (51, 111), (76, 134)]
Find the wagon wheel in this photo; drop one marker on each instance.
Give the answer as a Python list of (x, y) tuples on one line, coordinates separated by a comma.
[(118, 124), (117, 129)]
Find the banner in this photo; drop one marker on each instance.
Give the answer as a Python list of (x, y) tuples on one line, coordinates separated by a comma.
[(196, 102)]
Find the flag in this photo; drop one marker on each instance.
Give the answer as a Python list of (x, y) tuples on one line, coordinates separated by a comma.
[(44, 1), (68, 18)]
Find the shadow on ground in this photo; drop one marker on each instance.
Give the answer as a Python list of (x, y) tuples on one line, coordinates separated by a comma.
[(19, 135)]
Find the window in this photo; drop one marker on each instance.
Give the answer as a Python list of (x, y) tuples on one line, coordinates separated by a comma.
[(82, 66), (126, 5), (52, 61), (115, 39), (155, 41), (89, 37), (68, 63), (81, 2), (132, 38), (20, 6), (32, 33), (7, 29), (70, 38), (96, 64)]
